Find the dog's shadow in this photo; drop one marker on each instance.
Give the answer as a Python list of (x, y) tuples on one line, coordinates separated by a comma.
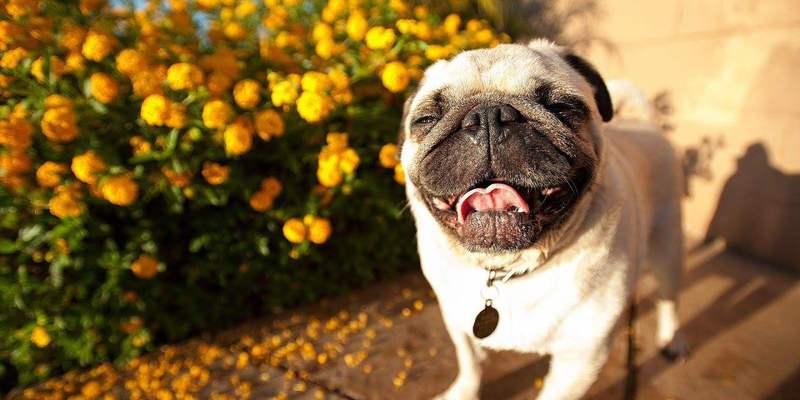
[(529, 373)]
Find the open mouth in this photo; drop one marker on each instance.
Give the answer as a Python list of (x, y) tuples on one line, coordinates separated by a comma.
[(499, 215)]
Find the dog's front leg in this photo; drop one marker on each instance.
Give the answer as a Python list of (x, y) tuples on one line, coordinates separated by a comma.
[(571, 374), (469, 356)]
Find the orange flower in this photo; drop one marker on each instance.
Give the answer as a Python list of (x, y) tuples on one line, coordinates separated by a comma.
[(145, 267), (49, 174), (215, 174), (120, 190)]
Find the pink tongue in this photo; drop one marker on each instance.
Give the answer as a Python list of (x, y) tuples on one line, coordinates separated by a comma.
[(496, 197)]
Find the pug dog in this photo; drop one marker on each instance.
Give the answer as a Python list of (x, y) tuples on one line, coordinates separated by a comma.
[(535, 215)]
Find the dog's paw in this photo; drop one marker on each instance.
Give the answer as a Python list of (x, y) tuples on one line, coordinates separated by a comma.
[(677, 349), (459, 391)]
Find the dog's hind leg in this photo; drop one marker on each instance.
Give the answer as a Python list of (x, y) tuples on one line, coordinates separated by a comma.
[(667, 259)]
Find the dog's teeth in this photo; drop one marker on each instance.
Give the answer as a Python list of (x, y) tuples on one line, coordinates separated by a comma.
[(441, 204)]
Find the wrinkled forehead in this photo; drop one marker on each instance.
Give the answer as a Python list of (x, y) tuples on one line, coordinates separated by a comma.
[(509, 69)]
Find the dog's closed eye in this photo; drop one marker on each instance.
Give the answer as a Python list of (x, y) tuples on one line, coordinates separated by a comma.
[(425, 120), (571, 111)]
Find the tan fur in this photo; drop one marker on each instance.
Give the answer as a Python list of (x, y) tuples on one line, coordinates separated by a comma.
[(578, 278)]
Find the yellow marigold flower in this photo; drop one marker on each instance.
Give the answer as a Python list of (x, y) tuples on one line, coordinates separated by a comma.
[(234, 31), (423, 31), (276, 19), (399, 6), (339, 79), (155, 110), (216, 114), (49, 174), (39, 337), (5, 81), (59, 124), (245, 8), (435, 52), (333, 9), (388, 156), (148, 82), (120, 190), (14, 162), (294, 230), (395, 76), (177, 116), (87, 166), (474, 25), (484, 36), (66, 203), (238, 136), (322, 31), (451, 24), (103, 87), (56, 68), (319, 230), (272, 186), (57, 101), (327, 48), (247, 94), (420, 12), (287, 39), (9, 32), (16, 132), (224, 60), (72, 37), (261, 201), (269, 124), (314, 107), (284, 93), (183, 76), (207, 5), (218, 83), (329, 176), (406, 26), (380, 38), (399, 174), (336, 141), (20, 8), (140, 145), (314, 81), (145, 267), (130, 62), (74, 63), (91, 390), (215, 174), (13, 57), (98, 45), (349, 161), (357, 26), (177, 179)]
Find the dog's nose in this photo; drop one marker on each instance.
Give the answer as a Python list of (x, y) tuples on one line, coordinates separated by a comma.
[(488, 121)]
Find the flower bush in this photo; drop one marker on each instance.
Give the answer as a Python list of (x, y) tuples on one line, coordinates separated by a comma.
[(178, 167)]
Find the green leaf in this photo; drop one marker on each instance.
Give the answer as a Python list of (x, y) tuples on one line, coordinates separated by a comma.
[(8, 246)]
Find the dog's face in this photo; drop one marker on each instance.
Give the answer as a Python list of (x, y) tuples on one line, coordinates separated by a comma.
[(498, 143)]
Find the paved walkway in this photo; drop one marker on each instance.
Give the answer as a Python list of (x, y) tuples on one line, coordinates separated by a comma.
[(388, 342)]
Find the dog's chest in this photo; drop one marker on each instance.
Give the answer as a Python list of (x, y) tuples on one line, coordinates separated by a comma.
[(531, 307)]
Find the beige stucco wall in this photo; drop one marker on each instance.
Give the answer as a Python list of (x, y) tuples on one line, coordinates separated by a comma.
[(731, 69)]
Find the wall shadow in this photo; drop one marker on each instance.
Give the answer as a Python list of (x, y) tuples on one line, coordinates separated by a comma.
[(758, 213)]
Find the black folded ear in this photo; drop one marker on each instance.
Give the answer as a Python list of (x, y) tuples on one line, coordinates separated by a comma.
[(601, 96)]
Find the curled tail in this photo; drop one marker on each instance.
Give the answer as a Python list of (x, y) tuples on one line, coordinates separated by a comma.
[(630, 102)]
